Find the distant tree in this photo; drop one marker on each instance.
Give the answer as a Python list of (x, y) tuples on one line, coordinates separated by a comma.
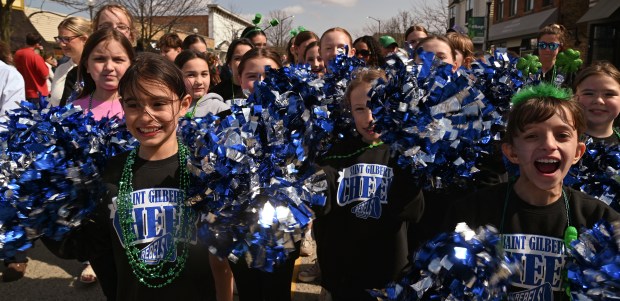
[(5, 21), (279, 35), (432, 15)]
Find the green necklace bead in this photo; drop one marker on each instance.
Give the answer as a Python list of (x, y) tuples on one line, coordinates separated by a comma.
[(160, 274)]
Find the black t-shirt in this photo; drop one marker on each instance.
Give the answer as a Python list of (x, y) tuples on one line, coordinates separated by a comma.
[(155, 189), (534, 234), (228, 90), (361, 232), (609, 141)]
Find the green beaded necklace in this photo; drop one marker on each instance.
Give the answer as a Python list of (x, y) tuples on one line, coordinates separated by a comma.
[(157, 275), (359, 151)]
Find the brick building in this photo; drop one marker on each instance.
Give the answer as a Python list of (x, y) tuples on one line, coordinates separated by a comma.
[(603, 22)]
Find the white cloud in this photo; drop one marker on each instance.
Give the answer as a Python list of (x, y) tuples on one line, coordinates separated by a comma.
[(293, 10), (345, 3)]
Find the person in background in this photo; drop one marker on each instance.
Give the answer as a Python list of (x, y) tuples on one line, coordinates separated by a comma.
[(51, 64), (72, 35), (170, 45), (32, 67), (464, 48), (117, 17), (256, 35), (388, 45), (333, 41), (313, 58), (230, 88), (12, 88), (196, 71), (441, 47), (195, 42), (414, 35), (552, 41), (302, 40), (368, 49)]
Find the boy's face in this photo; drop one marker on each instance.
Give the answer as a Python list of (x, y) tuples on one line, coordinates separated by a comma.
[(600, 97), (545, 151), (153, 119)]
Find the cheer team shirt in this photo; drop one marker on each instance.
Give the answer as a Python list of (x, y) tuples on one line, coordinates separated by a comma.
[(361, 232), (155, 223), (532, 234)]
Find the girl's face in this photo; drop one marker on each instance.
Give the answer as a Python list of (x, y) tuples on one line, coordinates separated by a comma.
[(362, 51), (313, 58), (333, 42), (545, 151), (199, 47), (235, 59), (170, 53), (301, 49), (414, 38), (259, 41), (441, 50), (254, 70), (362, 114), (117, 19), (74, 47), (153, 119), (600, 97), (107, 63), (546, 54), (197, 79)]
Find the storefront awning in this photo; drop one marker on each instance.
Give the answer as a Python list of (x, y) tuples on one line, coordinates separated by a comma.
[(602, 10), (522, 26)]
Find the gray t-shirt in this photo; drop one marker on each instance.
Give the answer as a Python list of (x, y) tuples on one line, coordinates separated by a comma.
[(210, 103)]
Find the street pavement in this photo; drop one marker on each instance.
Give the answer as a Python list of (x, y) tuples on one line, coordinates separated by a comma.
[(51, 278)]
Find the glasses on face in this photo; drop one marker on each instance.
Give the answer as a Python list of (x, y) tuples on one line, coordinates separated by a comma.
[(363, 52), (552, 46), (65, 40), (119, 27)]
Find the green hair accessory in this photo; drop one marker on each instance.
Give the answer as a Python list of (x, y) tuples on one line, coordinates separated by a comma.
[(257, 19), (542, 90), (529, 64), (295, 31), (569, 61)]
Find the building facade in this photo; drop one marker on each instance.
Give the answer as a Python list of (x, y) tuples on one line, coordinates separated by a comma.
[(603, 27), (470, 16)]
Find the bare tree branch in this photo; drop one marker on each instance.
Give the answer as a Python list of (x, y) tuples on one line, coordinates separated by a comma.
[(278, 36)]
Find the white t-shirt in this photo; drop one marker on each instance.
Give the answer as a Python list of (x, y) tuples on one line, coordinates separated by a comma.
[(58, 84), (12, 88)]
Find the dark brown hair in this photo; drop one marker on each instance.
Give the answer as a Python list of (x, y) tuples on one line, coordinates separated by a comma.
[(256, 53), (415, 28), (5, 53), (104, 35), (170, 40), (554, 29), (537, 110)]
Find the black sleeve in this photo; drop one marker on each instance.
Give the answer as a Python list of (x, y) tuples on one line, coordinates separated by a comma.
[(69, 86), (413, 208)]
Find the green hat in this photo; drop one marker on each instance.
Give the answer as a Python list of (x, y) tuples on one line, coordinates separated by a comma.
[(387, 41)]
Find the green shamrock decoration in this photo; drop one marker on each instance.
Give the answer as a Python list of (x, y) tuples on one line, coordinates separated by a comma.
[(568, 61), (529, 64)]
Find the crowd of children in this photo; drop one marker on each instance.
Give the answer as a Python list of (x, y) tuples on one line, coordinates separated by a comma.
[(376, 213)]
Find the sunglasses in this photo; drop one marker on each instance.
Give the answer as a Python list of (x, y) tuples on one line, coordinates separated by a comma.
[(65, 40), (552, 46), (363, 52)]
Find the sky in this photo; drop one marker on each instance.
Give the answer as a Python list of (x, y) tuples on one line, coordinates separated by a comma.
[(314, 15)]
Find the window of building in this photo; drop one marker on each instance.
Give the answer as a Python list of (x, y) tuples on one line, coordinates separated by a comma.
[(513, 7), (452, 13), (470, 10), (500, 10), (529, 5)]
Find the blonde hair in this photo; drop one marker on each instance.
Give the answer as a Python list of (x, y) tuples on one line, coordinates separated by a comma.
[(112, 7), (77, 25), (362, 76), (463, 44)]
